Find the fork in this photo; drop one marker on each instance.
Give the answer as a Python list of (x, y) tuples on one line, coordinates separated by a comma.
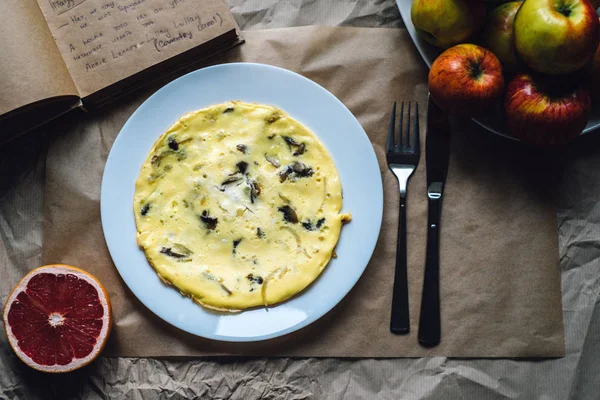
[(402, 159)]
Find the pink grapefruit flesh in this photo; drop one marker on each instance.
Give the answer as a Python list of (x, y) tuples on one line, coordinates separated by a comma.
[(57, 319)]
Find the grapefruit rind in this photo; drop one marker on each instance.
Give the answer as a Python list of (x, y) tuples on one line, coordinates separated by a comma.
[(102, 336)]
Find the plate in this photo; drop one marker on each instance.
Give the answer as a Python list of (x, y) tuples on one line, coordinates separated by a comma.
[(305, 101), (494, 121)]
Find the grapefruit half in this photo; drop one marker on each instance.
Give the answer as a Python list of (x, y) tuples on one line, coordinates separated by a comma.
[(58, 318)]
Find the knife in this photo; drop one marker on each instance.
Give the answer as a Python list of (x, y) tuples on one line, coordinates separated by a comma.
[(437, 155)]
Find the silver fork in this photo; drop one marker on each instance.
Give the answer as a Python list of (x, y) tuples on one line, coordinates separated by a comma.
[(402, 159)]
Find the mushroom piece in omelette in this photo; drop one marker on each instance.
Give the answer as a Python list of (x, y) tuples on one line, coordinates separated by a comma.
[(238, 205)]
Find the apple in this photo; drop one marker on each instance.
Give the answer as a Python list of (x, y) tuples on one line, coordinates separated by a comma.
[(466, 79), (544, 111), (556, 36), (444, 23), (498, 34)]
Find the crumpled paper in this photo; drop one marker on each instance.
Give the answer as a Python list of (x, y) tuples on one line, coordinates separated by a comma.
[(574, 376)]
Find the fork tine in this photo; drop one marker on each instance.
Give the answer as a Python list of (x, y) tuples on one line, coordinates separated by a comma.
[(400, 144), (390, 139), (408, 126), (416, 134)]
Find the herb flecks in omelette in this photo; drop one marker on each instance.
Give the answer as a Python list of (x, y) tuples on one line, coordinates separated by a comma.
[(238, 205), (289, 214), (145, 208), (253, 189), (309, 226), (236, 243), (255, 279), (273, 160), (231, 179), (208, 221), (177, 251), (295, 147), (296, 170), (242, 166), (173, 145), (274, 117)]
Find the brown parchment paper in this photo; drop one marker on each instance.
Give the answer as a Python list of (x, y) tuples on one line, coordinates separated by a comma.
[(500, 287), (31, 67)]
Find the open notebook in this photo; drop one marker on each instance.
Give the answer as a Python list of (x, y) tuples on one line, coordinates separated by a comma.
[(58, 55)]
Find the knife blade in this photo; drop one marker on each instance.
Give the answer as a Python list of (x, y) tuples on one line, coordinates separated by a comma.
[(437, 150), (437, 156)]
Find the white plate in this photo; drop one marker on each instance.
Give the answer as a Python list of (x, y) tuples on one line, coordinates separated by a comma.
[(494, 121), (305, 101)]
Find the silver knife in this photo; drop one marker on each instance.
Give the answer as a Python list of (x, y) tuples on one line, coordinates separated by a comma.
[(437, 153)]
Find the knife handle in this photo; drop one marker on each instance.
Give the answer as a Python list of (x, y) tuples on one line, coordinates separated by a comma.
[(400, 321), (429, 319)]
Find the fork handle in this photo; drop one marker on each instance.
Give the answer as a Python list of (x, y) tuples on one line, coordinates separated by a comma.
[(429, 320), (400, 321)]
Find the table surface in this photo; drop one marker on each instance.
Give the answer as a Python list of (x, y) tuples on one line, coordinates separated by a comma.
[(22, 167)]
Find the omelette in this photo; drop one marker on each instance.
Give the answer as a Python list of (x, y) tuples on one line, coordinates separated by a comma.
[(238, 205)]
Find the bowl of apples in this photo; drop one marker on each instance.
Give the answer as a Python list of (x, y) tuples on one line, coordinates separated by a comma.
[(527, 70)]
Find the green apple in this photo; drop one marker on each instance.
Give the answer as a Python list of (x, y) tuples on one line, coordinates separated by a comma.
[(498, 34), (556, 36), (444, 23)]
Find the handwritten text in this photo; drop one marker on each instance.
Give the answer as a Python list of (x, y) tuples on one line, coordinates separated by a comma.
[(95, 64), (131, 6), (160, 44), (87, 53), (122, 52), (92, 38)]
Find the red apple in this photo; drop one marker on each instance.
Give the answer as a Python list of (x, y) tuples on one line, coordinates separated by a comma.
[(556, 36), (544, 111), (466, 79)]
